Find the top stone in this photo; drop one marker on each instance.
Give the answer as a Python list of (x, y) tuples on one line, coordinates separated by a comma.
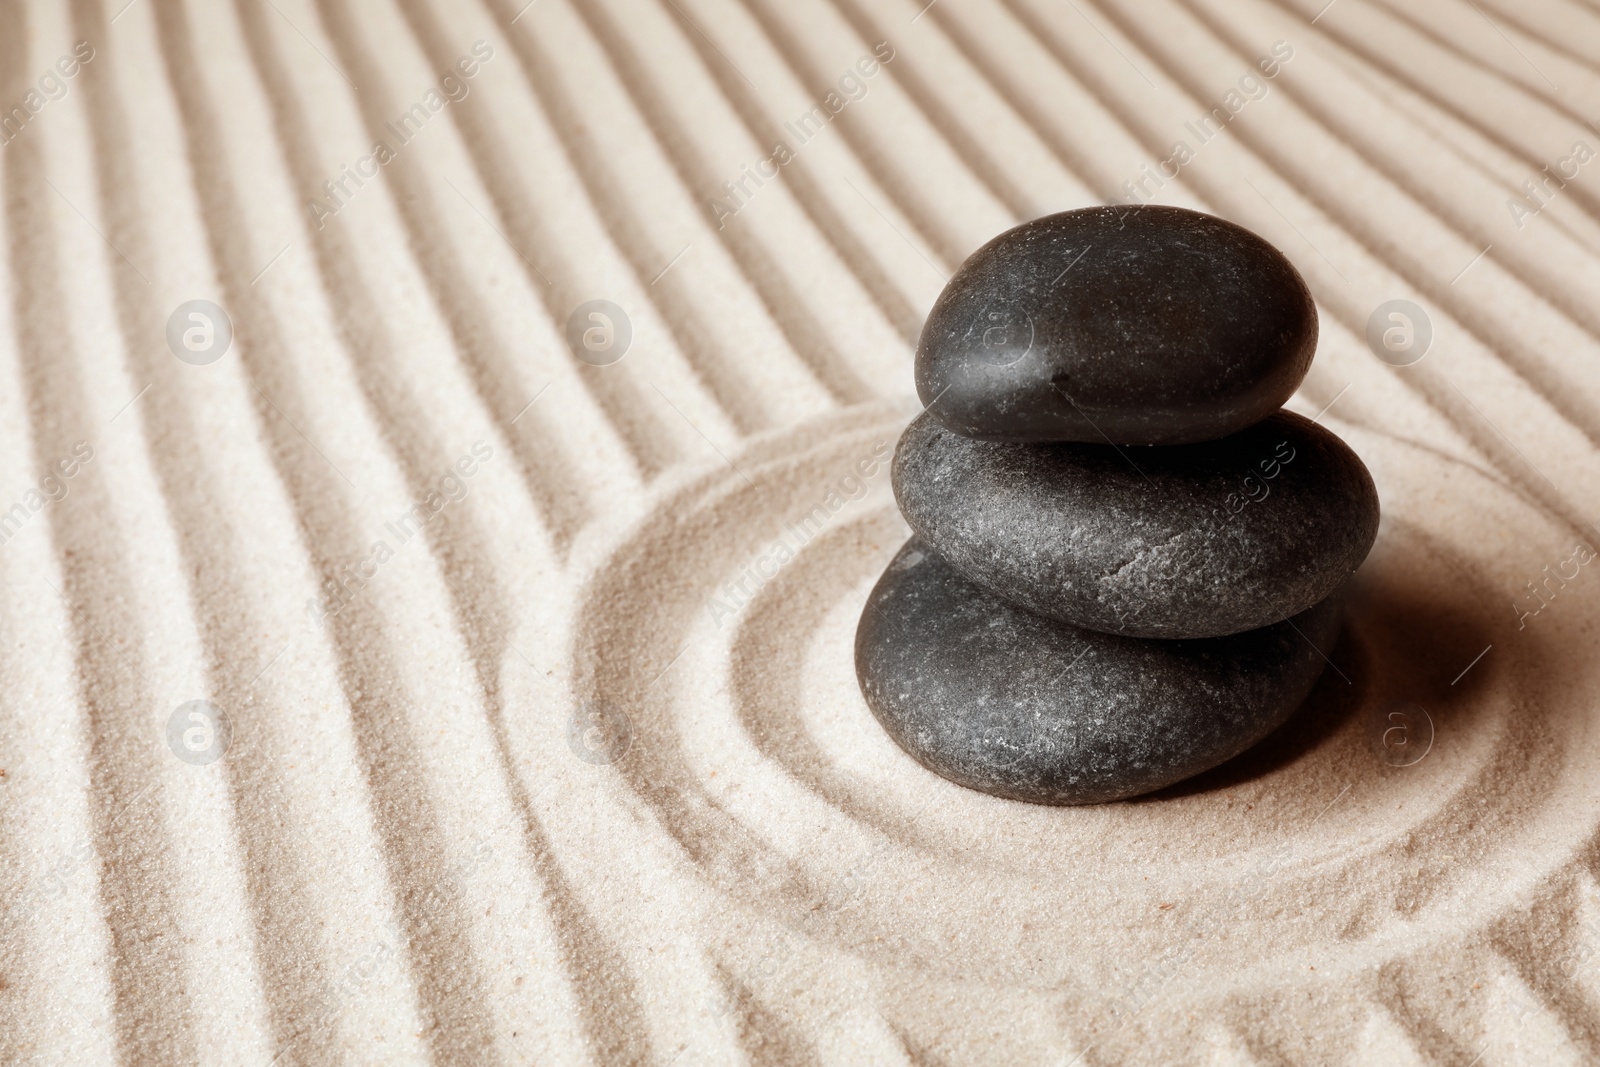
[(1142, 325)]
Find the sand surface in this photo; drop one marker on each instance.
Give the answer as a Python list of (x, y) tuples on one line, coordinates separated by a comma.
[(576, 771)]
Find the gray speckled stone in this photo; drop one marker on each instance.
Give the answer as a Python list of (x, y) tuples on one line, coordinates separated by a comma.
[(1176, 548), (1018, 706), (1130, 325)]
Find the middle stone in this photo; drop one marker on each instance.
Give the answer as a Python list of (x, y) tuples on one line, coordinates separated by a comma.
[(1198, 540)]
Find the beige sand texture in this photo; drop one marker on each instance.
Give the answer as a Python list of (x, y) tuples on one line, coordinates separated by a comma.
[(578, 771)]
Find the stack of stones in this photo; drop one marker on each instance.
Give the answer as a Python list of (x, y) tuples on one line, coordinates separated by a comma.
[(1125, 557)]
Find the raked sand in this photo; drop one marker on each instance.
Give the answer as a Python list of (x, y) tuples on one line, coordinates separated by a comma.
[(576, 770)]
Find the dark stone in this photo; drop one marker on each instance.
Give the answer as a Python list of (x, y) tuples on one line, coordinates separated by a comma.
[(1187, 541), (1124, 325), (1012, 704)]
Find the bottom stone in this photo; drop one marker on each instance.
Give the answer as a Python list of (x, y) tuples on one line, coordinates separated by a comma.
[(1019, 706)]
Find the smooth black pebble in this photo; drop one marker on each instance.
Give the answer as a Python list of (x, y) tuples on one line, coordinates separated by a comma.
[(1123, 325), (1194, 541), (1018, 706)]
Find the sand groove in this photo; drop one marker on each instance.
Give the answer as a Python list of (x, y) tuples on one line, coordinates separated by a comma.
[(290, 958), (138, 880), (444, 967)]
